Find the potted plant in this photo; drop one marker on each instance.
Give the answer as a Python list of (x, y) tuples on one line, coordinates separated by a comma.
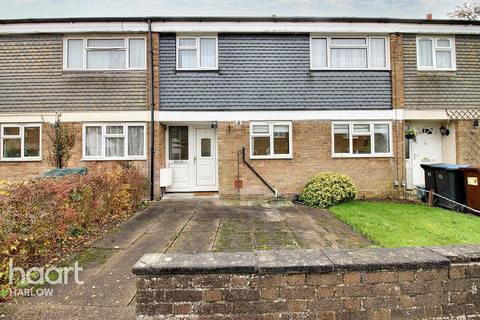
[(410, 133)]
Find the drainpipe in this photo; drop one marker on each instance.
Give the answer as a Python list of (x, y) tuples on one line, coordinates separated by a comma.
[(274, 191), (152, 114)]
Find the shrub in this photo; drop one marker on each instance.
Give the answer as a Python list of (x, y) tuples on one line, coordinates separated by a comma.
[(328, 189), (42, 219)]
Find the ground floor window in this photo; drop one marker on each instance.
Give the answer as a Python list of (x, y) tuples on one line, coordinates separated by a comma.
[(114, 141), (20, 142), (270, 140), (359, 139)]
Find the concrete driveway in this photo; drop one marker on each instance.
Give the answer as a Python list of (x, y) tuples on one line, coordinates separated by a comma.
[(181, 225)]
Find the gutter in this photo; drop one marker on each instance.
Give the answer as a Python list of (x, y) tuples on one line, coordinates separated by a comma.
[(241, 19), (152, 114)]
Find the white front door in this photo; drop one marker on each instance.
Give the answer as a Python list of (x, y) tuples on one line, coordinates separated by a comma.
[(206, 171), (425, 148), (192, 154)]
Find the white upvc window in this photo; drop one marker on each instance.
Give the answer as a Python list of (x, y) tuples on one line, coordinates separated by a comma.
[(436, 53), (349, 52), (197, 52), (104, 53), (271, 140), (21, 142), (114, 141), (362, 139)]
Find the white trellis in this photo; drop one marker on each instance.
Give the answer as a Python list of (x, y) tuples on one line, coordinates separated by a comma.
[(471, 138)]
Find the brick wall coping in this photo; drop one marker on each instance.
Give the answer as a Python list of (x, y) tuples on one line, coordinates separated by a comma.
[(301, 261)]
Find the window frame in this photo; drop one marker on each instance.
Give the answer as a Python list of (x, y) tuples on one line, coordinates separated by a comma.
[(197, 48), (22, 141), (367, 46), (372, 154), (126, 48), (434, 40), (104, 126), (270, 134)]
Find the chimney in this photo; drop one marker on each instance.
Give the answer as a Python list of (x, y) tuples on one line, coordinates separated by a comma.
[(429, 16)]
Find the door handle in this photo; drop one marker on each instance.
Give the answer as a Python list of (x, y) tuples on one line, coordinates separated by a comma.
[(195, 159)]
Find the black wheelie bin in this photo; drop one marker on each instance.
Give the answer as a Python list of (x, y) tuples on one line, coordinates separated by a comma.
[(451, 185), (430, 180)]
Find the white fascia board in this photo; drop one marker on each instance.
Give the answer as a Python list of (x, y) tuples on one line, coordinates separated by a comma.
[(313, 27), (73, 27), (432, 114), (209, 116), (67, 116), (238, 27)]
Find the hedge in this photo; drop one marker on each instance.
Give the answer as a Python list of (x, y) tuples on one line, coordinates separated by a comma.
[(41, 219)]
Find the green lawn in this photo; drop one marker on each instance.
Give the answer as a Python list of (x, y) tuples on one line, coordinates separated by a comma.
[(406, 225)]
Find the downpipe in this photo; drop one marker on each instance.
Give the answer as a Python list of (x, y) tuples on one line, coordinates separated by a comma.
[(274, 191)]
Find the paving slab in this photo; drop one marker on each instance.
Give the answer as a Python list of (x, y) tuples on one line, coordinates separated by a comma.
[(172, 224), (230, 225), (202, 226), (193, 242), (315, 240), (234, 242), (277, 240), (124, 235)]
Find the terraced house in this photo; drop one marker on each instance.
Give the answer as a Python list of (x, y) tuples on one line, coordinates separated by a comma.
[(243, 106)]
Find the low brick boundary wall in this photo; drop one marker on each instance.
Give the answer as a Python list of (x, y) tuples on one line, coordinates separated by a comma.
[(383, 284)]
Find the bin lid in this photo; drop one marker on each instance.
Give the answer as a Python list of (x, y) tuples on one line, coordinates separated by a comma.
[(432, 165), (450, 167), (65, 172)]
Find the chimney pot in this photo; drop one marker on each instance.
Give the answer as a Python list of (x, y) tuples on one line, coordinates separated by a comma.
[(429, 16)]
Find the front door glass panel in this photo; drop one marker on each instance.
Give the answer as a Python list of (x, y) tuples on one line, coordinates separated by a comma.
[(178, 143), (206, 147)]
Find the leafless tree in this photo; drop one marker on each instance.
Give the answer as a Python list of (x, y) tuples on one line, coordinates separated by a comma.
[(62, 140), (467, 11)]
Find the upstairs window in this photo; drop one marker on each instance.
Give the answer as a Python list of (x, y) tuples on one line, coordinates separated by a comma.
[(435, 53), (349, 53), (109, 53), (270, 140), (197, 53), (20, 142)]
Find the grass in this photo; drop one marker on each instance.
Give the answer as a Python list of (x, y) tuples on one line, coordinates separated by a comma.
[(407, 225)]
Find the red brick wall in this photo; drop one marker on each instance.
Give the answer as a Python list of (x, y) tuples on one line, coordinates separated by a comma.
[(18, 170), (443, 293), (311, 154)]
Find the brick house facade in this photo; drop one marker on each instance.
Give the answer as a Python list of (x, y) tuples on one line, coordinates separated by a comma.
[(299, 96)]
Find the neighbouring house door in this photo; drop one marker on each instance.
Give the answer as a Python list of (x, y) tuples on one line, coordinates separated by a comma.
[(192, 155), (426, 148)]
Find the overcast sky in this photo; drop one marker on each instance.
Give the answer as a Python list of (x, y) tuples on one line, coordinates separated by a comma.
[(331, 8)]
